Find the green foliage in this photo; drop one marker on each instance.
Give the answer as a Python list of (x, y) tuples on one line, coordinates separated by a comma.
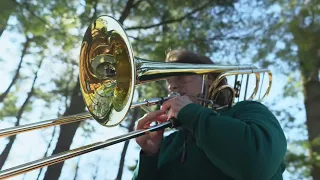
[(194, 31), (40, 94), (298, 162), (298, 159), (214, 28), (292, 87), (7, 8), (9, 107)]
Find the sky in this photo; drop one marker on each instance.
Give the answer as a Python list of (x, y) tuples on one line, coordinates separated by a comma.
[(30, 146)]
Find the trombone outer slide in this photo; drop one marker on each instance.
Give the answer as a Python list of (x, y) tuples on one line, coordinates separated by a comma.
[(60, 157)]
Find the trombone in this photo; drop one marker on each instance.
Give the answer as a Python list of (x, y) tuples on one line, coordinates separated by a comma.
[(108, 75)]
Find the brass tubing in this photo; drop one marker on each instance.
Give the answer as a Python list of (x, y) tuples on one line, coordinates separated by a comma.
[(236, 73), (247, 82)]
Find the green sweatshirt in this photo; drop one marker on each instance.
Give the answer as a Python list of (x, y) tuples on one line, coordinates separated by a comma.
[(244, 142)]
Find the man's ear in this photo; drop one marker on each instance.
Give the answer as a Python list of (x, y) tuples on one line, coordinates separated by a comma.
[(211, 78)]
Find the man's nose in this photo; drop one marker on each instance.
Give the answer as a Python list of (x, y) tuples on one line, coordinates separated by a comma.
[(174, 87)]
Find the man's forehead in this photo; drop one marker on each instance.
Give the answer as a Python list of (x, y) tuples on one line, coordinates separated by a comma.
[(183, 76)]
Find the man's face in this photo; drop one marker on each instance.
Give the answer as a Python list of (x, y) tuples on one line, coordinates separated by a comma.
[(185, 85)]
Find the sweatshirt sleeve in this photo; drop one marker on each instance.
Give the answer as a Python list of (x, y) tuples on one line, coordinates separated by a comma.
[(249, 145), (146, 168)]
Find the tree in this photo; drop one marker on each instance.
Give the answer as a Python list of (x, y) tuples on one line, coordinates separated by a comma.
[(289, 38), (67, 132), (5, 153), (132, 119), (209, 27)]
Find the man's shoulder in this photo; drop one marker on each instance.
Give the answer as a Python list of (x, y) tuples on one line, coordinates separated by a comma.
[(244, 106), (251, 103)]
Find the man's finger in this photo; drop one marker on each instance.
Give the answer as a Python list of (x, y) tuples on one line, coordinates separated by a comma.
[(153, 134), (143, 139), (167, 104), (162, 118), (149, 117)]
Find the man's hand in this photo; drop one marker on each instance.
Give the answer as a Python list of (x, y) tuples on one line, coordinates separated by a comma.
[(175, 104), (150, 143)]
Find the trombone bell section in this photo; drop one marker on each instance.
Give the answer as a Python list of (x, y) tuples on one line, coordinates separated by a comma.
[(107, 71)]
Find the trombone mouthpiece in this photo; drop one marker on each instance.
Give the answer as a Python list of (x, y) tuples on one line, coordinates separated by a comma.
[(174, 94)]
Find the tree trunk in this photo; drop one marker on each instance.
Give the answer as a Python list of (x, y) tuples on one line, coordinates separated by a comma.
[(312, 104), (16, 76), (47, 151), (309, 64), (310, 67), (135, 116), (67, 132), (125, 13), (6, 151), (66, 94), (77, 170), (2, 28), (95, 175)]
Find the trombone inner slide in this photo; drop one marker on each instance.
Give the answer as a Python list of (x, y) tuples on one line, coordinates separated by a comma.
[(67, 119), (44, 124)]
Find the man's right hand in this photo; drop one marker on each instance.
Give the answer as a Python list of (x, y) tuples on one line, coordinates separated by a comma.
[(150, 142)]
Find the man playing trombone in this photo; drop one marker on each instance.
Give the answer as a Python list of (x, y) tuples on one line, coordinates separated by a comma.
[(241, 142)]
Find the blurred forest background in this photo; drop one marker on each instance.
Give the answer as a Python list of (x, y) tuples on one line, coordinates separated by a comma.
[(39, 52)]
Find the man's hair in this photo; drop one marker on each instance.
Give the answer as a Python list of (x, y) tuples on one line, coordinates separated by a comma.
[(184, 56)]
